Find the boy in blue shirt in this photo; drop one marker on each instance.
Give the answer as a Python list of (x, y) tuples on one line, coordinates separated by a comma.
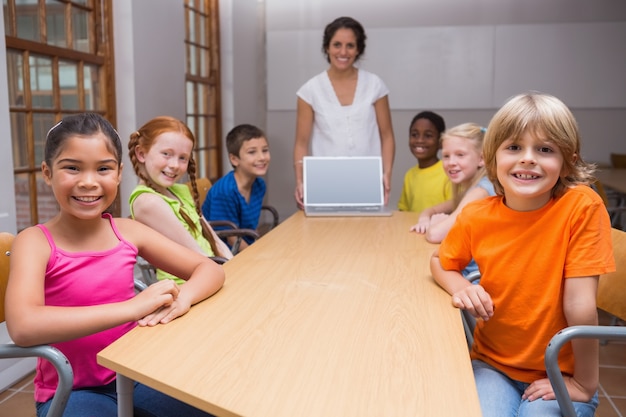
[(238, 196)]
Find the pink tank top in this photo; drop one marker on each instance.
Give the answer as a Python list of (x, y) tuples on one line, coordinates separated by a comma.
[(82, 279)]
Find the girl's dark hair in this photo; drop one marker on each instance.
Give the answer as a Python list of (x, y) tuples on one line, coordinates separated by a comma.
[(344, 23), (82, 124), (434, 119)]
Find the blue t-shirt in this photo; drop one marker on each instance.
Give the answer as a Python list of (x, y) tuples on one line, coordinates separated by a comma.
[(225, 202)]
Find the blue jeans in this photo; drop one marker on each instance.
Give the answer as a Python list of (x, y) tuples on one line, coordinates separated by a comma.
[(501, 396), (102, 402)]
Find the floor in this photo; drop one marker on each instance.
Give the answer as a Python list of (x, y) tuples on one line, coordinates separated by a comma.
[(17, 401)]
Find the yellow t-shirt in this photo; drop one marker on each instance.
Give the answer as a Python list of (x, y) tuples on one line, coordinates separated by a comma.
[(424, 188)]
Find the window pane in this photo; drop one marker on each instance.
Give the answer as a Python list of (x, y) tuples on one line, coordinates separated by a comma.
[(201, 164), (202, 97), (42, 122), (201, 132), (55, 22), (68, 82), (27, 20), (91, 86), (41, 82), (202, 38), (204, 62), (47, 206), (54, 83), (22, 201), (192, 60), (19, 140), (189, 94), (15, 75), (80, 31), (7, 28), (192, 25), (191, 123)]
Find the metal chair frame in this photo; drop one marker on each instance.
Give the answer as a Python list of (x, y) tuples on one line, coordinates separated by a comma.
[(50, 353)]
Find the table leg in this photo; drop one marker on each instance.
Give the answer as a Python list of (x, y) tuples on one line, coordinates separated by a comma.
[(125, 388)]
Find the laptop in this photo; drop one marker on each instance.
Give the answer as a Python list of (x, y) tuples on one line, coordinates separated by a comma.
[(343, 186)]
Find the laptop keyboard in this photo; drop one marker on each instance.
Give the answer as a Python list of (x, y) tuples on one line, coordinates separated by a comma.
[(345, 209)]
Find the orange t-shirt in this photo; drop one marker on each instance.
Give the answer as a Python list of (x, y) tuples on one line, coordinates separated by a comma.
[(524, 258)]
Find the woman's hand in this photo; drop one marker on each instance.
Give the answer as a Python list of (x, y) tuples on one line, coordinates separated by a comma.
[(299, 195), (386, 188)]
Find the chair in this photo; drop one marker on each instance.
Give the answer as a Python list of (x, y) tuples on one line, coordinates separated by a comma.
[(148, 272), (228, 228), (469, 321), (614, 203), (618, 160), (204, 184), (612, 299), (10, 350)]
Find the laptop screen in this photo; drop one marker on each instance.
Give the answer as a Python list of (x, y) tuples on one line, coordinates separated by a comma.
[(342, 181)]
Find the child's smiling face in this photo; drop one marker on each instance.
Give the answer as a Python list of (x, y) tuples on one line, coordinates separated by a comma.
[(253, 159), (84, 176), (528, 168), (460, 159), (424, 142)]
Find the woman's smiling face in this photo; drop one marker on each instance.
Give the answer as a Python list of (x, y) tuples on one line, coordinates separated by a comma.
[(342, 49)]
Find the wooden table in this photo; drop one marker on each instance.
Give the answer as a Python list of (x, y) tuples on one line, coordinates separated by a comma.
[(612, 178), (321, 317)]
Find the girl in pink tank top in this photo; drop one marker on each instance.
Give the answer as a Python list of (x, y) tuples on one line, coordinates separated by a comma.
[(71, 280)]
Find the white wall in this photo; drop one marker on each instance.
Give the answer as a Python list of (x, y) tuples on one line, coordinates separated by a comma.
[(7, 189), (11, 370), (460, 58), (149, 70)]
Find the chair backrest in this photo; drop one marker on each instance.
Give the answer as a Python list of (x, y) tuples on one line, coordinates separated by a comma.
[(618, 160), (6, 240), (597, 185), (204, 185), (612, 287)]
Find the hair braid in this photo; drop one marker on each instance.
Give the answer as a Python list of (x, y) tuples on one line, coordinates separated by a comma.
[(206, 231)]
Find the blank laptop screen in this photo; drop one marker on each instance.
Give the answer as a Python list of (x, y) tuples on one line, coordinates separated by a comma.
[(335, 181)]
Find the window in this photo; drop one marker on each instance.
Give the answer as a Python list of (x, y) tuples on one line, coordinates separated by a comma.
[(58, 63), (203, 84)]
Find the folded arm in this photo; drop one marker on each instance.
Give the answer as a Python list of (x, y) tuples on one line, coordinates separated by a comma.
[(465, 295)]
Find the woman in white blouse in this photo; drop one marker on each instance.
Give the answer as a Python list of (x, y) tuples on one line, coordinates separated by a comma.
[(344, 111)]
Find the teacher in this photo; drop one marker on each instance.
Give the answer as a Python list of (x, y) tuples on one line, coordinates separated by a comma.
[(344, 111)]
